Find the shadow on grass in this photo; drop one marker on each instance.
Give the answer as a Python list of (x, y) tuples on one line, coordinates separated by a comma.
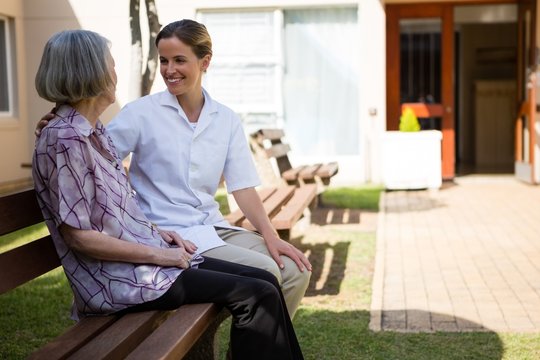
[(329, 335), (333, 216), (327, 279)]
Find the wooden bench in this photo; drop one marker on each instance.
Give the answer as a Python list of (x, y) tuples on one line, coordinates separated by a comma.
[(269, 141), (284, 205), (184, 333)]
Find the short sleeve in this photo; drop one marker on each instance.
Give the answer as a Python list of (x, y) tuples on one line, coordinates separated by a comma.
[(124, 132), (239, 172), (66, 182)]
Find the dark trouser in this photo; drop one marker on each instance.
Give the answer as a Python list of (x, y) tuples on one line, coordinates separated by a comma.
[(261, 327)]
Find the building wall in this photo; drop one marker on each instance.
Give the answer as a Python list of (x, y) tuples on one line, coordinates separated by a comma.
[(37, 20), (536, 167), (13, 128)]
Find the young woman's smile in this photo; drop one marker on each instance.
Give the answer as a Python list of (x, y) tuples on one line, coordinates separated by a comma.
[(179, 66)]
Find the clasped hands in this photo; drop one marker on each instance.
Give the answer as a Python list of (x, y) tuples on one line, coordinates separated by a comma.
[(182, 253)]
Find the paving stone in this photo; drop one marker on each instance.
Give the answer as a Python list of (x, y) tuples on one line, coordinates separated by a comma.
[(463, 258)]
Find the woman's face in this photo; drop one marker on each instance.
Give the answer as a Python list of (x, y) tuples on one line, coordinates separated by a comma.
[(111, 93), (180, 68)]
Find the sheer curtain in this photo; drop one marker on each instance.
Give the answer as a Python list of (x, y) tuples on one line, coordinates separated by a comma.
[(321, 81)]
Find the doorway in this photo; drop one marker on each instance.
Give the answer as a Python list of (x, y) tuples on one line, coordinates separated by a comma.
[(461, 59), (486, 87)]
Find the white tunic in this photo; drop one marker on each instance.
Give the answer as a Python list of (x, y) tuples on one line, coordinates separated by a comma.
[(176, 168)]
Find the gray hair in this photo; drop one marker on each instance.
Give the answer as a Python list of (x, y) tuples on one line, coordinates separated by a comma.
[(74, 66)]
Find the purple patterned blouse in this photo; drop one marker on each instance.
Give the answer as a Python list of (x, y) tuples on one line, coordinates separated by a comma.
[(86, 188)]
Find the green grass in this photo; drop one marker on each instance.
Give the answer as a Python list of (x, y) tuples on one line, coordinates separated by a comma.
[(221, 198), (332, 322), (23, 236), (33, 314), (365, 197)]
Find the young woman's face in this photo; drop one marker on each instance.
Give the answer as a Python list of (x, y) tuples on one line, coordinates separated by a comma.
[(179, 66)]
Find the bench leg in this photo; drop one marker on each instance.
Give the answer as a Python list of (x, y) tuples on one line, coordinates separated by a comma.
[(206, 348)]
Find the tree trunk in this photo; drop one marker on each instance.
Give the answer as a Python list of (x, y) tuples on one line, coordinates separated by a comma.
[(142, 75), (135, 78), (152, 59)]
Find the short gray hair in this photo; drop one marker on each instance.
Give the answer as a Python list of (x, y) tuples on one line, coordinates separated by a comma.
[(73, 67)]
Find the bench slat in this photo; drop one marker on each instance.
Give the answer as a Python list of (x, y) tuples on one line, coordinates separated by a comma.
[(278, 150), (308, 173), (328, 170), (273, 204), (292, 174), (236, 217), (74, 338), (293, 210), (190, 321), (26, 262), (18, 211), (271, 134), (117, 341)]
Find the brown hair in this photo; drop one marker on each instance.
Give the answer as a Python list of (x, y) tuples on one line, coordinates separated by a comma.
[(191, 33)]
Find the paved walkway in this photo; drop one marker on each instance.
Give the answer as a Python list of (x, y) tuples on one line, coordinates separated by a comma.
[(463, 258)]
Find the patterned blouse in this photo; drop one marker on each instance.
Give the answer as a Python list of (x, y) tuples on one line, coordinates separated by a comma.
[(79, 181)]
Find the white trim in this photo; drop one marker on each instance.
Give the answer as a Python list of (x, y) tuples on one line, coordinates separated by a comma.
[(9, 68)]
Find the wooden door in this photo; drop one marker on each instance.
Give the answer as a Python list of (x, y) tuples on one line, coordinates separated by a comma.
[(525, 139), (420, 69)]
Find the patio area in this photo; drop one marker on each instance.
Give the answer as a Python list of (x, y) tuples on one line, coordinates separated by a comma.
[(463, 258)]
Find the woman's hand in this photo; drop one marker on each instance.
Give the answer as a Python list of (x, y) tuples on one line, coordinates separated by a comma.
[(277, 247), (251, 205), (173, 237), (177, 256), (44, 122)]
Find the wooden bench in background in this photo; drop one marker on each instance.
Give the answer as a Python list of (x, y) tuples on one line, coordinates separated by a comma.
[(270, 142), (284, 205), (184, 333)]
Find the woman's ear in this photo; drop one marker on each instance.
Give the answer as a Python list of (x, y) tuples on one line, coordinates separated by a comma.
[(205, 62)]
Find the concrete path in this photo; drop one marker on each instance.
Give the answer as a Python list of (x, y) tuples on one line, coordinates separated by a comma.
[(463, 258)]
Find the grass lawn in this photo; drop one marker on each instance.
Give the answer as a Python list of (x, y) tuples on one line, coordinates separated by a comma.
[(332, 322)]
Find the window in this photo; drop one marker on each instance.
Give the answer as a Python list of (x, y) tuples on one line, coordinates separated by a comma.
[(295, 69), (246, 67), (6, 70)]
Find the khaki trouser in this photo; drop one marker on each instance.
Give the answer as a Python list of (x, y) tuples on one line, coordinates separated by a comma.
[(249, 248)]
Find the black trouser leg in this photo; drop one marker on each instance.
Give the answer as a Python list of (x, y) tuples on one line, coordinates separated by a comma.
[(261, 327)]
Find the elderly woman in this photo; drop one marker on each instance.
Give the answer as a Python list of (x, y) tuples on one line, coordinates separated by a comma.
[(115, 259)]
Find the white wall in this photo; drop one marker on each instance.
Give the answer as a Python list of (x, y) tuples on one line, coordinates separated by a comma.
[(13, 129), (371, 19), (42, 18)]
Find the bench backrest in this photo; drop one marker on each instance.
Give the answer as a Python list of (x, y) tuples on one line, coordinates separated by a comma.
[(28, 261), (276, 148)]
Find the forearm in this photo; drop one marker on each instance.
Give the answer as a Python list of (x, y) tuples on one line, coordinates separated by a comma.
[(251, 205), (104, 247)]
